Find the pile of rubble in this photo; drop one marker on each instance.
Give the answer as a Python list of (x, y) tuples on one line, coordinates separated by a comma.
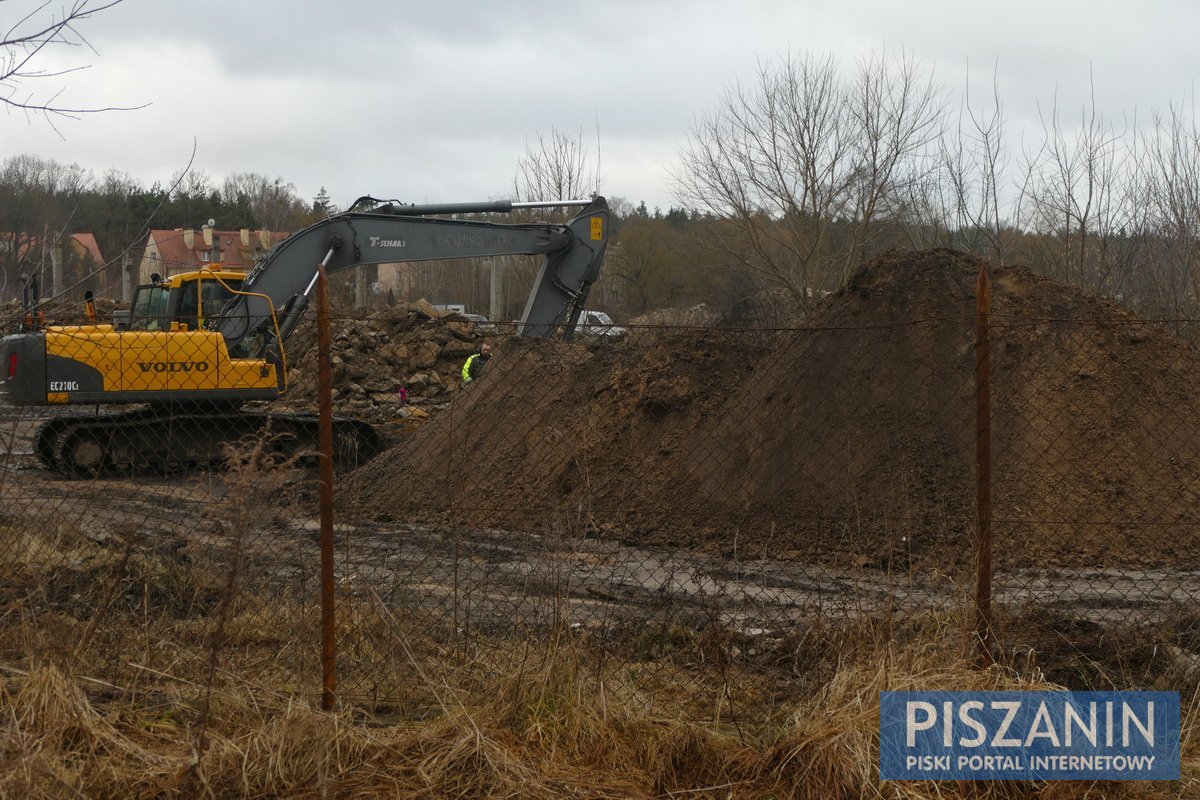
[(400, 363), (54, 312)]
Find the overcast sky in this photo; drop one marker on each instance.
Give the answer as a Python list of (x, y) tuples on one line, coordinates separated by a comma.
[(436, 101)]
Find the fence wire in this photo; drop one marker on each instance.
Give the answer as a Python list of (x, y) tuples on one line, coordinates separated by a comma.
[(711, 513)]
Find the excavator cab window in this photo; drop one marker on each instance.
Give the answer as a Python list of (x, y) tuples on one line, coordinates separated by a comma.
[(150, 309), (215, 294), (188, 310), (202, 299)]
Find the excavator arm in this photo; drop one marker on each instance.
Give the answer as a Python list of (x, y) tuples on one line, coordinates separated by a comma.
[(284, 281)]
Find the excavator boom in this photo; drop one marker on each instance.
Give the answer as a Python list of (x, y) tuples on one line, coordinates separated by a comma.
[(284, 281)]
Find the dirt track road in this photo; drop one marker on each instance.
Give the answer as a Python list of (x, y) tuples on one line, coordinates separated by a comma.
[(506, 579)]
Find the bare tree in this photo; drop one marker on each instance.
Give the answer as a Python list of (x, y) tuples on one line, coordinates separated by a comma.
[(1079, 199), (554, 167), (804, 162), (897, 113), (23, 47), (38, 197), (190, 182), (557, 167), (1169, 185), (975, 167), (274, 203), (30, 172)]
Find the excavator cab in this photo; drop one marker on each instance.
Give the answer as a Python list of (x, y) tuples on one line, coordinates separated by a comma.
[(184, 301), (149, 309), (204, 297)]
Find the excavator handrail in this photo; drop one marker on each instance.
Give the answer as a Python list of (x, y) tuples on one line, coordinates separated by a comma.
[(274, 319)]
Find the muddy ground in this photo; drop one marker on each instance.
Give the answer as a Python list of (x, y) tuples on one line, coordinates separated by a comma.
[(494, 580)]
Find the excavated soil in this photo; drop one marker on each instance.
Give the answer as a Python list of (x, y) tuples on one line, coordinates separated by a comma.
[(850, 439)]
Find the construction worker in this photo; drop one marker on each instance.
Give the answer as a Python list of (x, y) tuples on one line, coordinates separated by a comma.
[(475, 364)]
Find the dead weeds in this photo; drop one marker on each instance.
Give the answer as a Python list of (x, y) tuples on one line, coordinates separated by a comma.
[(549, 724)]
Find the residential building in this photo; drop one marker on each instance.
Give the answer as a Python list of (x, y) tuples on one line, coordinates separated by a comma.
[(68, 265), (169, 252)]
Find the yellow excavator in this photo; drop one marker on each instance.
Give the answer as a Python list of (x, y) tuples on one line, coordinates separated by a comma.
[(195, 347)]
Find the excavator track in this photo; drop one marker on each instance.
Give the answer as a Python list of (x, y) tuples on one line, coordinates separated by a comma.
[(157, 442)]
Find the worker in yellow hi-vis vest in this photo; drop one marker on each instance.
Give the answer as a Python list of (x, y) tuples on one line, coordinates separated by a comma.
[(475, 364)]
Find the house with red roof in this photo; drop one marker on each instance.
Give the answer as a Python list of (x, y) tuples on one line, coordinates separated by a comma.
[(71, 264), (169, 252)]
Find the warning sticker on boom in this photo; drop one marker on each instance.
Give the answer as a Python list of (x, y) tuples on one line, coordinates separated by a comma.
[(597, 228)]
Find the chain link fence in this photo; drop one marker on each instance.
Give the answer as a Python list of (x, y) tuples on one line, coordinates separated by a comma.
[(712, 514)]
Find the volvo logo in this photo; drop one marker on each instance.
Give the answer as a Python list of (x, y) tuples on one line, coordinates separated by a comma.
[(173, 366)]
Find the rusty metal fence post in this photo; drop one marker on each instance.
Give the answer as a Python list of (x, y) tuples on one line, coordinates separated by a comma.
[(983, 469), (325, 443)]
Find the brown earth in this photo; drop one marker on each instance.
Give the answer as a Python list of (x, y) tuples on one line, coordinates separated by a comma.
[(849, 439)]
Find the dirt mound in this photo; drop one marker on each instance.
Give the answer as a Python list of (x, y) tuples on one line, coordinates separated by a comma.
[(558, 434), (850, 439)]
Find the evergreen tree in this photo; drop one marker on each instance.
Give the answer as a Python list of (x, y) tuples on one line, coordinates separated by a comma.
[(322, 205)]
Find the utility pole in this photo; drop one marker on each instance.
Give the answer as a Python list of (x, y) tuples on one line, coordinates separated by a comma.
[(56, 264), (128, 280), (495, 312)]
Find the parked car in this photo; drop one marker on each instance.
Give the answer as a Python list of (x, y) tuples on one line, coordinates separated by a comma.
[(598, 325), (480, 323)]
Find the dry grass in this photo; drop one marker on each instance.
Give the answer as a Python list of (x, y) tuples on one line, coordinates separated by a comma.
[(122, 675), (103, 699), (549, 726)]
